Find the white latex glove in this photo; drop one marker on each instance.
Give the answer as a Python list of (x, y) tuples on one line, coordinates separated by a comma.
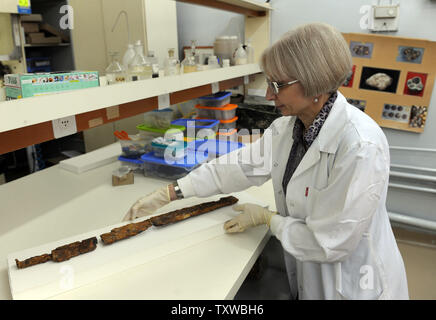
[(149, 204), (252, 215)]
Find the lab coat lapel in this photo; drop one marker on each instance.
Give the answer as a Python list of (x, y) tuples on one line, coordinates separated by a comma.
[(327, 139), (311, 158)]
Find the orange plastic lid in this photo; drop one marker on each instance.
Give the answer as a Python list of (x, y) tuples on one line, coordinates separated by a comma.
[(222, 121), (227, 107), (229, 133)]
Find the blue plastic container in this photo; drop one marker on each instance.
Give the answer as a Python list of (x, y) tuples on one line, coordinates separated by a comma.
[(173, 170), (208, 127), (218, 99), (214, 148)]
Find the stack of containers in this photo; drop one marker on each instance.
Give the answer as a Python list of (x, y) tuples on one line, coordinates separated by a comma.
[(157, 125), (197, 128), (217, 106)]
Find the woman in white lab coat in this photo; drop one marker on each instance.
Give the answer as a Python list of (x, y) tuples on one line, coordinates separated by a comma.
[(329, 163)]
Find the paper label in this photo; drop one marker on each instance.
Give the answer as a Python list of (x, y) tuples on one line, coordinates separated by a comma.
[(113, 112), (215, 87), (164, 101), (246, 80)]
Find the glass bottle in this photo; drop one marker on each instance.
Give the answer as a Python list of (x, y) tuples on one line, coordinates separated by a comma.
[(128, 56), (188, 64), (250, 51), (140, 67), (115, 73), (154, 61), (172, 65), (241, 56)]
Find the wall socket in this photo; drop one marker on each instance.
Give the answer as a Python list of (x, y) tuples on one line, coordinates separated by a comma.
[(64, 126)]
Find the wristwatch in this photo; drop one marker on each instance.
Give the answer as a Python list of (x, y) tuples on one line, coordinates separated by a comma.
[(177, 190)]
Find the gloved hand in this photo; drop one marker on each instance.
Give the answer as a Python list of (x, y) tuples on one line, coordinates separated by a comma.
[(149, 204), (252, 215)]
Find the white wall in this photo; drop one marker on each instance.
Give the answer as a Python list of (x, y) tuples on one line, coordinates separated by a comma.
[(204, 24), (417, 20)]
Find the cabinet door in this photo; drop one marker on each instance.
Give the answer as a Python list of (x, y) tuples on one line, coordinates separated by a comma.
[(88, 36)]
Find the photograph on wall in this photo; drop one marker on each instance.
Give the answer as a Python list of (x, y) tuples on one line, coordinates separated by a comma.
[(349, 82), (396, 113), (415, 84), (383, 80), (418, 115), (410, 54), (361, 49)]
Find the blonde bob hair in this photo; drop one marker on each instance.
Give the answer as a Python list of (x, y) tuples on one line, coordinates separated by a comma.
[(315, 54)]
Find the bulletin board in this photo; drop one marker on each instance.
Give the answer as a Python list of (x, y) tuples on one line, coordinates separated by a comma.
[(392, 79)]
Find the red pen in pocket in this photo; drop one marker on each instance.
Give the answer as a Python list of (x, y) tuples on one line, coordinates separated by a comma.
[(307, 191)]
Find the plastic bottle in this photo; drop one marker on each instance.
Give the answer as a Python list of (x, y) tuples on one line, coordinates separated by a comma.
[(128, 56), (250, 51), (241, 56), (115, 73), (212, 62), (172, 65), (140, 67)]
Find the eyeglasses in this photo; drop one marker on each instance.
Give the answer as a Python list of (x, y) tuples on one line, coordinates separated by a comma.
[(275, 86)]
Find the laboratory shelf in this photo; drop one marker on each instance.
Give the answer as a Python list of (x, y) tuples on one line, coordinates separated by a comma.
[(249, 8), (28, 121)]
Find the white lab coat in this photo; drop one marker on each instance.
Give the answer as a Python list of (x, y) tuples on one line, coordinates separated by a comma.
[(333, 224)]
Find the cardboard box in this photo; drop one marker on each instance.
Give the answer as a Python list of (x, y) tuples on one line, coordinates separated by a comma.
[(249, 138), (35, 84), (40, 38), (124, 180), (31, 18), (48, 28), (30, 27)]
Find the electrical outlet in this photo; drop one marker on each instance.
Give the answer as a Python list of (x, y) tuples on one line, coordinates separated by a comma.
[(64, 126)]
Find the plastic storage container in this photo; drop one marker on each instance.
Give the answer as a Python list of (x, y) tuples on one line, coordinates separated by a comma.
[(226, 112), (219, 99), (214, 148), (227, 135), (174, 150), (198, 128), (133, 149), (227, 124), (158, 167), (160, 119), (136, 165), (149, 133)]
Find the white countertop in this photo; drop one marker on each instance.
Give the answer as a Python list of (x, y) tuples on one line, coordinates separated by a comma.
[(54, 204)]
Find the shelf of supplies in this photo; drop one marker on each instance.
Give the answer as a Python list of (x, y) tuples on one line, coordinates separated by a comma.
[(38, 45), (27, 121), (249, 8)]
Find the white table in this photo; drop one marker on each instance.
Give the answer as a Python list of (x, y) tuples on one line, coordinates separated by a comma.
[(54, 204)]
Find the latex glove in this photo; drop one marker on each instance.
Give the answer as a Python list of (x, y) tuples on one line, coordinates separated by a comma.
[(252, 215), (149, 204)]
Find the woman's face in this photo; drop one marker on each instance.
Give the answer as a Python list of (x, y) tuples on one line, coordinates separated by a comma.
[(290, 100)]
